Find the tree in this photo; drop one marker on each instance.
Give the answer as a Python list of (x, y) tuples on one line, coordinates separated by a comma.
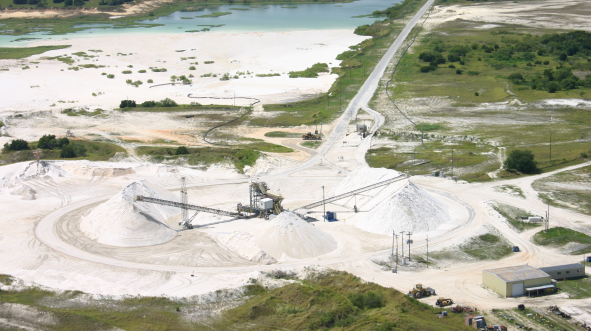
[(78, 3), (16, 145), (126, 103), (182, 150), (68, 152), (47, 142), (68, 3), (563, 57), (516, 78), (521, 160), (553, 86)]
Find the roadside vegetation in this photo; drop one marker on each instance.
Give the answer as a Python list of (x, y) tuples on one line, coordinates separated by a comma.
[(559, 237), (283, 134), (510, 189), (489, 246), (513, 216)]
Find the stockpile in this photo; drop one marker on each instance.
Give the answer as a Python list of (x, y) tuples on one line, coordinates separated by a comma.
[(122, 221), (399, 206), (290, 236)]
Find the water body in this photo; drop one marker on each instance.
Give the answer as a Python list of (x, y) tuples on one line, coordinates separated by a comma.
[(254, 18)]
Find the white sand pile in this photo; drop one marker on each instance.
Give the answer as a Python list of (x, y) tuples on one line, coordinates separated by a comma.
[(410, 209), (399, 206), (15, 177), (289, 236), (122, 221), (243, 244)]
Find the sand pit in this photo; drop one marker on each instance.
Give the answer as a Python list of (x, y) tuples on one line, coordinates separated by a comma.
[(121, 221), (16, 176), (289, 236)]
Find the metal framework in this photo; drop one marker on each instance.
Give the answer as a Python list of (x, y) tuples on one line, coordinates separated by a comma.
[(187, 206), (354, 192)]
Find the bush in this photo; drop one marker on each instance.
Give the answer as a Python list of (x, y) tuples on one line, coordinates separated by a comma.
[(521, 160), (167, 103), (73, 150), (142, 71), (126, 72), (553, 87), (459, 72), (473, 73), (516, 78), (110, 76), (127, 104), (148, 104), (476, 94), (451, 66), (16, 145), (150, 81), (192, 68), (182, 150), (311, 72), (563, 57)]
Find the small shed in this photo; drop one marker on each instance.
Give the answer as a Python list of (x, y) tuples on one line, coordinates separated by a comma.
[(512, 281), (558, 272)]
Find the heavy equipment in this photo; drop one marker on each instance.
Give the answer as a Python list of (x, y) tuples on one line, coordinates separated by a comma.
[(312, 136), (419, 291), (442, 302)]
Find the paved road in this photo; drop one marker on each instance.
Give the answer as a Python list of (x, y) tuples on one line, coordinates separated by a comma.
[(361, 100)]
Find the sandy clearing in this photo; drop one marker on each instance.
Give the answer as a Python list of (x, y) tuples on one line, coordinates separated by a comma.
[(48, 82)]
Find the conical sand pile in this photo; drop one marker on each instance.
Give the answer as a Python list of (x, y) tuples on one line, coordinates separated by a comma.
[(122, 221), (290, 236)]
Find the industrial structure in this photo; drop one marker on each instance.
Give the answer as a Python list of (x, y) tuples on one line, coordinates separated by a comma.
[(262, 202), (565, 271), (518, 281)]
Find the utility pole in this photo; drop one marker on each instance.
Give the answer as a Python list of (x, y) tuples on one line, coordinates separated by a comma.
[(409, 242), (427, 251), (396, 252), (548, 218), (452, 163), (393, 238), (323, 205), (402, 242), (550, 146)]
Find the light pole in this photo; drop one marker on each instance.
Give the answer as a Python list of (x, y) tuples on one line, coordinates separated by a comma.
[(402, 243), (409, 242)]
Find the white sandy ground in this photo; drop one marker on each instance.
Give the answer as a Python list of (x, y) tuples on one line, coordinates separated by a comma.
[(49, 82), (36, 241)]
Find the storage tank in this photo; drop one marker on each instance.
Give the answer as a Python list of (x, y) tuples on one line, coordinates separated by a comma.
[(535, 219)]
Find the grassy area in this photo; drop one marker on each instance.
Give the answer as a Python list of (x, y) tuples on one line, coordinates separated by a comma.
[(264, 146), (283, 134), (487, 247), (559, 236), (216, 14), (22, 52), (512, 215), (95, 151), (569, 189), (311, 144), (576, 288), (182, 108), (335, 301), (205, 156)]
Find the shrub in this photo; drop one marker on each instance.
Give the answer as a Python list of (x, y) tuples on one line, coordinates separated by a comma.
[(584, 155), (521, 160), (546, 63), (127, 104), (142, 71), (126, 72), (473, 73), (553, 87), (563, 57), (516, 78), (192, 68), (208, 62), (16, 145), (451, 66), (459, 72), (49, 142), (150, 81), (182, 150), (148, 104), (104, 74), (311, 72), (167, 102), (110, 76), (476, 94)]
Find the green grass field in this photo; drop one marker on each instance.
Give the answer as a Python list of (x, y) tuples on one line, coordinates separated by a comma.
[(95, 151), (560, 236), (23, 52)]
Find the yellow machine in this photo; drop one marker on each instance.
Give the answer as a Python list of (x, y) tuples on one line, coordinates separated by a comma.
[(419, 291), (311, 136), (442, 302)]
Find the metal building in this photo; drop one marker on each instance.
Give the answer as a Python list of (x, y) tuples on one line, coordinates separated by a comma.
[(517, 281), (559, 272)]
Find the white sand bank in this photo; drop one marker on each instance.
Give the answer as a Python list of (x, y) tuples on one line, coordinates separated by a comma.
[(49, 82)]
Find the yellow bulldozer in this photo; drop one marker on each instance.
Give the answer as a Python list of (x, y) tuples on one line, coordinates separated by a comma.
[(312, 136), (442, 302), (419, 291)]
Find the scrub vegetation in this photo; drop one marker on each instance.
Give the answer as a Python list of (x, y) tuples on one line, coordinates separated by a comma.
[(513, 216), (332, 300), (489, 246), (559, 236), (569, 189)]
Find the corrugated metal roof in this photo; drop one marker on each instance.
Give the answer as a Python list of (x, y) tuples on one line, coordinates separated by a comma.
[(563, 267), (518, 273)]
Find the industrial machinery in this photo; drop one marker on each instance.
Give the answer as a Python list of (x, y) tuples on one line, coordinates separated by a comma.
[(442, 302), (262, 202), (312, 136), (419, 291)]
